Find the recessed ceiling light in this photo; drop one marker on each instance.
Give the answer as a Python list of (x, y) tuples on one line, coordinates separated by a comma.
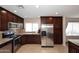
[(37, 6), (15, 11), (57, 13), (21, 6)]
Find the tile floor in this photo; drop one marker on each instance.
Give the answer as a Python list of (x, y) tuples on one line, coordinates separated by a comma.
[(36, 48)]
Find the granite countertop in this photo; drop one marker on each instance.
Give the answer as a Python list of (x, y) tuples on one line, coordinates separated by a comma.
[(4, 40), (74, 41), (28, 34)]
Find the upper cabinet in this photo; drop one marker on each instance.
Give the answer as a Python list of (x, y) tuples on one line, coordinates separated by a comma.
[(46, 20), (4, 19), (6, 16), (19, 20), (10, 17)]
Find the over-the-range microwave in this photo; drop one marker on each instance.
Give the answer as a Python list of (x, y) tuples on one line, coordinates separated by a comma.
[(14, 25)]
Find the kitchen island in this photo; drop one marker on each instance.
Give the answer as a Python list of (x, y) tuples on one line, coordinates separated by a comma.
[(73, 45)]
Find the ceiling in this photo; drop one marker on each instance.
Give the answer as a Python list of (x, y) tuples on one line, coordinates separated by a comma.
[(44, 10)]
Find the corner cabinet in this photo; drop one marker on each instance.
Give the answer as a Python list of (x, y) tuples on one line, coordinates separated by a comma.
[(7, 16)]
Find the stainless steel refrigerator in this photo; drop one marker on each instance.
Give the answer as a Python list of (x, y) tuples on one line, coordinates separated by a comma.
[(47, 35)]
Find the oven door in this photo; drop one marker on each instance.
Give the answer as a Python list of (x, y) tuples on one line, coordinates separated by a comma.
[(16, 43)]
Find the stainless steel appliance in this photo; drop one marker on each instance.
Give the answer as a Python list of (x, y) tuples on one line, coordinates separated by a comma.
[(8, 34), (47, 35), (13, 25)]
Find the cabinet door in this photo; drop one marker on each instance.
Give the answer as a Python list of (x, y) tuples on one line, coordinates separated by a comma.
[(0, 19), (58, 20), (15, 18), (0, 22), (58, 30), (10, 17), (19, 20), (23, 39), (46, 20), (36, 39), (43, 20), (57, 36), (4, 20), (49, 20)]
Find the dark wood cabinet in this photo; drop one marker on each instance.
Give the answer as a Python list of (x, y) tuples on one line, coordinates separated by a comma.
[(0, 19), (19, 20), (57, 22), (58, 30), (31, 39), (4, 20), (10, 17), (72, 48), (46, 20), (7, 16), (15, 19)]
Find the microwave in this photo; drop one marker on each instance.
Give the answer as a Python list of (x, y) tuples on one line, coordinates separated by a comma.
[(12, 25), (15, 25)]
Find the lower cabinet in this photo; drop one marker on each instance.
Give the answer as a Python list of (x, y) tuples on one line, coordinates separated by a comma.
[(72, 48), (31, 39)]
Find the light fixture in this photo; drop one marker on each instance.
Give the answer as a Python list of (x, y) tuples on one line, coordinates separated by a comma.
[(37, 6), (21, 6), (15, 11), (57, 13)]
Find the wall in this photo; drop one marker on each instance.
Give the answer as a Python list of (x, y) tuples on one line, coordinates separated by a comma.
[(1, 34), (32, 20), (65, 21), (64, 34)]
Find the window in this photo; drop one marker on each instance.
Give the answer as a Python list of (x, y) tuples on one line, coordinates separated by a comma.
[(72, 28), (31, 27)]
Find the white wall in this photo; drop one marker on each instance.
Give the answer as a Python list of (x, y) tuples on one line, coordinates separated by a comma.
[(1, 35)]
